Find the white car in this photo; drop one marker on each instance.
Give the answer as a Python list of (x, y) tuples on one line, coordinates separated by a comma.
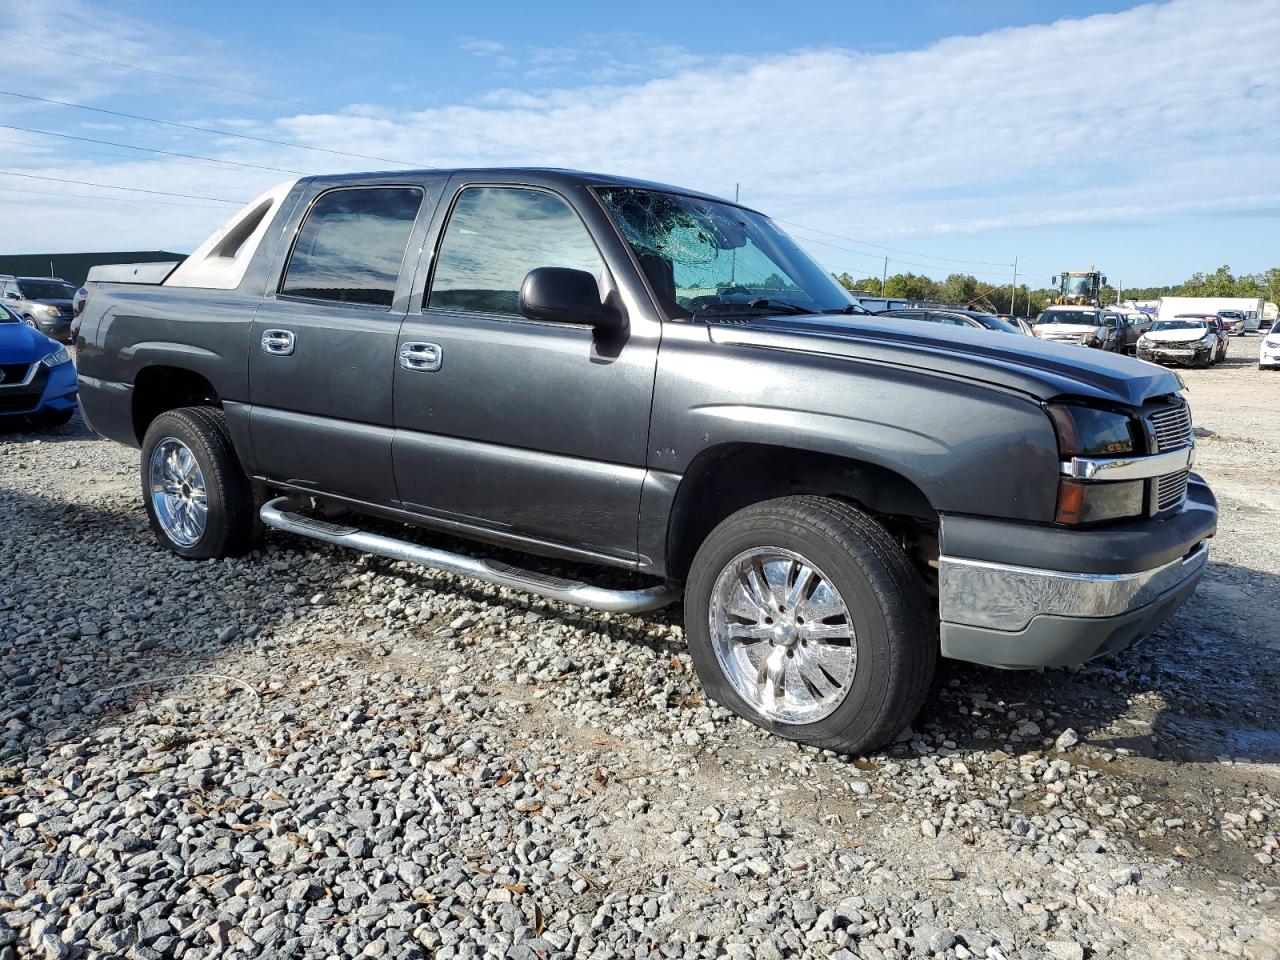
[(1086, 326), (1269, 349), (1184, 339)]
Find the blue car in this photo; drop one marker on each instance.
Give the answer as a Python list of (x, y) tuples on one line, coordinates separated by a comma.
[(37, 377)]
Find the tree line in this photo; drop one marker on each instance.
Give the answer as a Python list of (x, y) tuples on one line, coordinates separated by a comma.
[(966, 289)]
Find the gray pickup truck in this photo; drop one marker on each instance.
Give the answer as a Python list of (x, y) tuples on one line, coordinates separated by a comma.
[(634, 376)]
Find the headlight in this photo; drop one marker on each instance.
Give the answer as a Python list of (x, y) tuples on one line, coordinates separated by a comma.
[(1208, 339), (57, 358), (47, 308), (1089, 432), (1271, 343)]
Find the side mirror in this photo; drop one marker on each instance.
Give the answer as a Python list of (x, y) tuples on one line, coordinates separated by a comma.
[(564, 295), (1053, 281)]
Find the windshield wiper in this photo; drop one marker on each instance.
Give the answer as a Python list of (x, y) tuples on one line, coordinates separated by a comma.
[(779, 306), (852, 308)]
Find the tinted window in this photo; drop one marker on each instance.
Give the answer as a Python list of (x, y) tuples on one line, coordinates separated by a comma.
[(45, 290), (495, 236), (352, 244)]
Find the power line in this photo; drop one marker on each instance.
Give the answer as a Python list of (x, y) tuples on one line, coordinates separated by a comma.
[(112, 186), (159, 73), (167, 153), (897, 260), (400, 123), (880, 246), (266, 96), (212, 130), (90, 196)]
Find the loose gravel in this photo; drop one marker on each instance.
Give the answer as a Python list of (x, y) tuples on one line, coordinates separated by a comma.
[(313, 753)]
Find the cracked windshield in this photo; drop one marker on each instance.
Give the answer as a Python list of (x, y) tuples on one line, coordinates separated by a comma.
[(707, 259)]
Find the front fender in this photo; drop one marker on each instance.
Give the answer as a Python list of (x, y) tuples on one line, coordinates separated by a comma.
[(970, 447)]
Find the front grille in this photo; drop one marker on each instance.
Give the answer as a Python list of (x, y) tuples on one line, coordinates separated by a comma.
[(1170, 490), (1171, 426), (13, 373), (15, 404)]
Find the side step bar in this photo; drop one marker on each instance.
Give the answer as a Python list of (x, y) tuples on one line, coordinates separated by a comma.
[(282, 514)]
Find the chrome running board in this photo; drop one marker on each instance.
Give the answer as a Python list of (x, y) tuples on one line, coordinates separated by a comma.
[(282, 514)]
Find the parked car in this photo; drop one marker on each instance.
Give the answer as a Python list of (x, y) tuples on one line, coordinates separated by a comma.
[(41, 302), (1022, 323), (1234, 320), (647, 378), (1135, 324), (1191, 339), (1086, 326), (1269, 349), (956, 318), (37, 378)]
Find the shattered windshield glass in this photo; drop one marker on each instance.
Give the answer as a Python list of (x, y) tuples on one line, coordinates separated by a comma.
[(707, 259)]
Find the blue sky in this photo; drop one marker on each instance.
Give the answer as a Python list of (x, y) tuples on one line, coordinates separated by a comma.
[(1140, 138)]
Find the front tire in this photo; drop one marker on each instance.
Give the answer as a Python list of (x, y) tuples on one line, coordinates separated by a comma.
[(197, 496), (805, 617)]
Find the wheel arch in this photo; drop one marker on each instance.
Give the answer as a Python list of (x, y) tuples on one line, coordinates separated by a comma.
[(161, 387), (727, 477)]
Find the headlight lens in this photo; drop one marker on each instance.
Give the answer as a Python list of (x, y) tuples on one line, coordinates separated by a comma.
[(57, 358), (1089, 432), (1272, 343), (47, 308)]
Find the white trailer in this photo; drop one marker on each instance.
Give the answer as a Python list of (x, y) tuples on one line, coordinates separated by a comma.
[(1251, 307)]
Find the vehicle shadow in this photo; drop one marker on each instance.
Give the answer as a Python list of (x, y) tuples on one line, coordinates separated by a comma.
[(1205, 686), (16, 430)]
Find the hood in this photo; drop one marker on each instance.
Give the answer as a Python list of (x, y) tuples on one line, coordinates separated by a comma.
[(22, 344), (1042, 369), (1175, 336), (1058, 331)]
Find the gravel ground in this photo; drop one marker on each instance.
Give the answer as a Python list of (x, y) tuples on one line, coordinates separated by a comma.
[(313, 753)]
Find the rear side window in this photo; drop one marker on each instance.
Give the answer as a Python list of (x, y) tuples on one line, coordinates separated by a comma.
[(352, 244), (495, 236)]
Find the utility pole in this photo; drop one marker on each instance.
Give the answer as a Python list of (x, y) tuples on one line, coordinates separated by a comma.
[(1013, 291), (736, 188), (884, 279)]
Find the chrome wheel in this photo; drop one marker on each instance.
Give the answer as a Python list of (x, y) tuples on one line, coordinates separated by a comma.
[(178, 492), (782, 635)]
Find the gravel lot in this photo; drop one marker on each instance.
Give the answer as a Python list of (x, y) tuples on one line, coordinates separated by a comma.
[(313, 753)]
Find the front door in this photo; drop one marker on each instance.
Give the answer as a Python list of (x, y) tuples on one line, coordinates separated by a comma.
[(324, 345), (536, 431)]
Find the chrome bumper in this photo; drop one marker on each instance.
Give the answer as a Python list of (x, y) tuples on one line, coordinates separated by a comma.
[(997, 596)]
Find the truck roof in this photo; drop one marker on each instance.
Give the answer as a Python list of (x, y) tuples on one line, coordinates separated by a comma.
[(565, 176)]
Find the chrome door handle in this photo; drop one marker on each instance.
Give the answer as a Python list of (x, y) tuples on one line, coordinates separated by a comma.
[(423, 357), (278, 343)]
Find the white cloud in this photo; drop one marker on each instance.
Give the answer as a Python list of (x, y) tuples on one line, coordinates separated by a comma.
[(1161, 109)]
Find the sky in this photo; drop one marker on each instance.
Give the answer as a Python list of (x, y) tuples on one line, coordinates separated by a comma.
[(947, 137)]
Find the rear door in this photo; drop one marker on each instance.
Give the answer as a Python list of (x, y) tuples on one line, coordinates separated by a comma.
[(323, 345), (536, 431)]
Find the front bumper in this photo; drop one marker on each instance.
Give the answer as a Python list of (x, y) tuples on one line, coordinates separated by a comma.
[(1173, 354), (45, 389), (1006, 614), (57, 328), (1269, 356)]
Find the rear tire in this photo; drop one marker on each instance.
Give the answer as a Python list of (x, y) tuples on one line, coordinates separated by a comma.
[(197, 496), (756, 654)]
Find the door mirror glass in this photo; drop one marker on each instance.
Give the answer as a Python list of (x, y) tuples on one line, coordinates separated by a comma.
[(565, 295)]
